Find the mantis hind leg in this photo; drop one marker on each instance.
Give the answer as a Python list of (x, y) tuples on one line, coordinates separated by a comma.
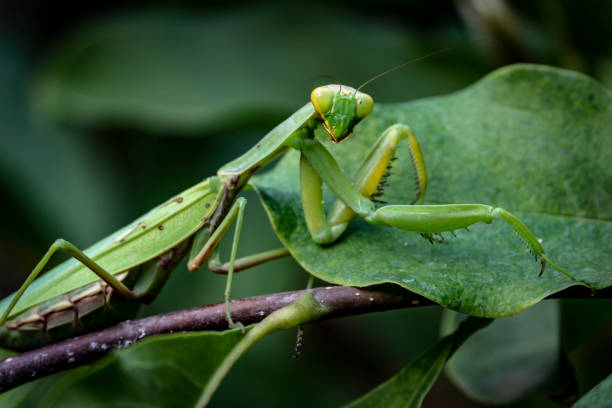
[(70, 249)]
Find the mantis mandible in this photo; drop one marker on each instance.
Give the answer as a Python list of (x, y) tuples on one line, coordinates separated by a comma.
[(106, 282)]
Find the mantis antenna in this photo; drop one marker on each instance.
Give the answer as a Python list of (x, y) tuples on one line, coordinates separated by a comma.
[(431, 54)]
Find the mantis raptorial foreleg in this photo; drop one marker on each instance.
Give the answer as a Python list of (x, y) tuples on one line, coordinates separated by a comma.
[(318, 165)]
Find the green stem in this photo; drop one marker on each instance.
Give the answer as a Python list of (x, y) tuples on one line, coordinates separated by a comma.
[(305, 309), (310, 282)]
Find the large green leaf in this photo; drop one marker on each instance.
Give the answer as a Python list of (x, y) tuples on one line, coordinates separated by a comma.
[(532, 139), (522, 353), (163, 371)]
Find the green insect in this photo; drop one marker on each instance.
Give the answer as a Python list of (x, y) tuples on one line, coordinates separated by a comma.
[(107, 282)]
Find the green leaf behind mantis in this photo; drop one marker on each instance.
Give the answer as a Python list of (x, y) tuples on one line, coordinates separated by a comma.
[(522, 353), (531, 139)]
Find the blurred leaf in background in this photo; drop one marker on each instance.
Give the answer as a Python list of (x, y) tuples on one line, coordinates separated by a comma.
[(172, 71), (522, 352)]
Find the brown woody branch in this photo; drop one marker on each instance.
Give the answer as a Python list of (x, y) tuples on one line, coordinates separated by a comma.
[(74, 352), (342, 300)]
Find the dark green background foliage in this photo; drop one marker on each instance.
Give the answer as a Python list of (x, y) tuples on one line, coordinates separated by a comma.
[(107, 109)]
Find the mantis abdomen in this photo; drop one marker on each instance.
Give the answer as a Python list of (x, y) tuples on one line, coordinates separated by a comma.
[(92, 307)]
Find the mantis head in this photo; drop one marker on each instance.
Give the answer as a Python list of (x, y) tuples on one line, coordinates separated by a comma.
[(340, 108)]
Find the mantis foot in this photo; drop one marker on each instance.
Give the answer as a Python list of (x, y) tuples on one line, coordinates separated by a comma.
[(298, 343), (434, 237)]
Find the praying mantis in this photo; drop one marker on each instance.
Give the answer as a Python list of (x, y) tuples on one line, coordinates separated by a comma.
[(107, 282)]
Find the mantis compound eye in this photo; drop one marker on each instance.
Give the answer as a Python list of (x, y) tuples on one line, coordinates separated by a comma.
[(322, 98), (363, 105)]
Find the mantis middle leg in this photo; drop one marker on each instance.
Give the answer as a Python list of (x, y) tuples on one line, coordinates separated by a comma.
[(209, 251)]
